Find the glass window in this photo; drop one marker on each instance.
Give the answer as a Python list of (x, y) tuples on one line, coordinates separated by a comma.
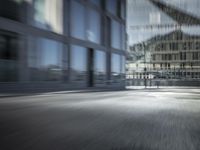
[(48, 14), (94, 30), (11, 9), (100, 67), (123, 38), (77, 20), (78, 63), (9, 49), (96, 2), (116, 67), (123, 70), (111, 6), (45, 60), (115, 34), (123, 9)]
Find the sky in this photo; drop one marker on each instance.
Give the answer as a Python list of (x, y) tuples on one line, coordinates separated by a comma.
[(143, 12)]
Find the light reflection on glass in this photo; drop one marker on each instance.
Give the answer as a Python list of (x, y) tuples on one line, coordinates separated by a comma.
[(94, 28), (100, 67), (115, 34), (116, 67), (163, 45), (45, 60), (78, 63), (77, 20), (48, 14)]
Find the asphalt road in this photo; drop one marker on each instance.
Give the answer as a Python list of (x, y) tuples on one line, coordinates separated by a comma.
[(155, 119)]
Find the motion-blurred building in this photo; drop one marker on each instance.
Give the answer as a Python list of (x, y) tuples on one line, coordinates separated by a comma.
[(177, 55), (62, 44), (165, 42)]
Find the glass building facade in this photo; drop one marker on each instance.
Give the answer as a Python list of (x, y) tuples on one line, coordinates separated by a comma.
[(62, 44), (164, 37)]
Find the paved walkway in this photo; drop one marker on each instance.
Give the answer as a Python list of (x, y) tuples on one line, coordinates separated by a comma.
[(144, 119)]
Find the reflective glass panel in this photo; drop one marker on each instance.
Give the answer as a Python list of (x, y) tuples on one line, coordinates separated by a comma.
[(100, 67), (111, 6), (116, 67), (164, 37), (123, 9), (9, 56), (48, 14), (94, 30), (115, 34), (123, 40), (77, 20), (12, 9), (45, 60), (78, 63), (123, 70), (96, 2)]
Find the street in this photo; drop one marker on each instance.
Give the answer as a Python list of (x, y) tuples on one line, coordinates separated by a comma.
[(140, 119)]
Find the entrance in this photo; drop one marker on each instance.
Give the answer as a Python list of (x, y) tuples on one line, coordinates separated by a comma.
[(90, 67)]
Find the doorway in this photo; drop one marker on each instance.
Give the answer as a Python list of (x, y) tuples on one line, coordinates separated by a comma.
[(90, 67)]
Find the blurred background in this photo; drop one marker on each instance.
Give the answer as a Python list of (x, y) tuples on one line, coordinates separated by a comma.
[(48, 45), (87, 47), (163, 42)]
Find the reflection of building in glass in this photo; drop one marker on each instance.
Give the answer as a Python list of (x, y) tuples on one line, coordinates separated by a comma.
[(62, 44), (164, 41), (139, 61), (176, 55)]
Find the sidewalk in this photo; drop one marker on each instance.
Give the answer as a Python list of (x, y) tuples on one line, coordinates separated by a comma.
[(86, 90), (163, 87)]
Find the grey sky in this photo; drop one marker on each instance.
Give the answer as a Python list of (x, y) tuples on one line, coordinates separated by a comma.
[(142, 12)]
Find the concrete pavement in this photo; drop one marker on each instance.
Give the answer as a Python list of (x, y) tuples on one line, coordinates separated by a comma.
[(143, 119)]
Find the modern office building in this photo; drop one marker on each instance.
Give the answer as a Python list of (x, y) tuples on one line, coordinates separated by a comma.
[(48, 45), (164, 38), (177, 56)]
